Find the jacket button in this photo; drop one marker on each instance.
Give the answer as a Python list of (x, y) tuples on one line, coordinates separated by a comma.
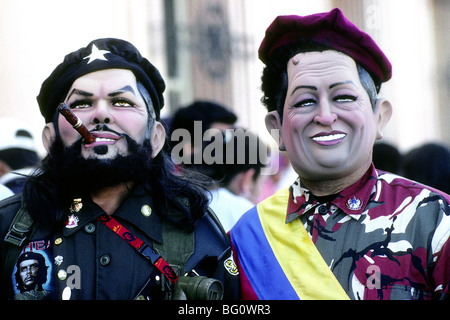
[(62, 274), (146, 210), (105, 260), (323, 210), (89, 228)]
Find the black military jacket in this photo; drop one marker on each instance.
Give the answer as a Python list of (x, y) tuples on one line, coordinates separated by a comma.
[(86, 260)]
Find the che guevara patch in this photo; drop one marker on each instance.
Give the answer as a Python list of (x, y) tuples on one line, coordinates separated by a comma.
[(32, 277)]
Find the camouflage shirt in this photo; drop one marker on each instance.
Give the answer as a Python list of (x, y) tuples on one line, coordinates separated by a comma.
[(385, 237)]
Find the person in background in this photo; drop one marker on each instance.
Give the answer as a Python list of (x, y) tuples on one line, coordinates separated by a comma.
[(5, 192), (235, 163), (18, 153), (343, 230), (387, 157), (282, 178), (197, 118), (238, 175), (429, 164), (193, 128)]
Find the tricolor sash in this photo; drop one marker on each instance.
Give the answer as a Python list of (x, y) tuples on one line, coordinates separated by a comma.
[(280, 260)]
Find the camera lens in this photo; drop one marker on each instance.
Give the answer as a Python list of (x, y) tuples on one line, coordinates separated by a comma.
[(201, 288)]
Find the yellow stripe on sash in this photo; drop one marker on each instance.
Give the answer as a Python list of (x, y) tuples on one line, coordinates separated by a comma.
[(296, 253)]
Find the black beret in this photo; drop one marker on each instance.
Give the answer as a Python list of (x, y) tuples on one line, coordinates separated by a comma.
[(100, 54)]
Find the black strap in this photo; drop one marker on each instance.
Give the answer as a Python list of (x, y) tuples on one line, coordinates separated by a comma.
[(20, 230), (20, 227)]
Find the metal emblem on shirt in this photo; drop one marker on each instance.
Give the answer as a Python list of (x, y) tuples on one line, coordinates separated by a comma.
[(59, 260), (76, 205), (72, 221), (230, 266), (354, 204)]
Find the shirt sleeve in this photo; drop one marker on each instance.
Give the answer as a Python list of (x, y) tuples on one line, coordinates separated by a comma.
[(440, 246)]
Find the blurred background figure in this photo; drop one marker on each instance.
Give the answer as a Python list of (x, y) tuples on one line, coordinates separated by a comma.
[(387, 157), (230, 156), (283, 178), (18, 153), (429, 164), (239, 177), (5, 192), (211, 115)]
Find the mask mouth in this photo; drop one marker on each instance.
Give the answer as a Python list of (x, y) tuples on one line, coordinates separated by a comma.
[(329, 138), (104, 136), (103, 139)]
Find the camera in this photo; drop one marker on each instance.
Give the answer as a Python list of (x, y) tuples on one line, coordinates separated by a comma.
[(201, 288)]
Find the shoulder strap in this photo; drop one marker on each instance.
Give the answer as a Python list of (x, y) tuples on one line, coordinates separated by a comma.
[(21, 228)]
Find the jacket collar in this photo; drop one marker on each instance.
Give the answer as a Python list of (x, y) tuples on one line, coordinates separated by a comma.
[(351, 200)]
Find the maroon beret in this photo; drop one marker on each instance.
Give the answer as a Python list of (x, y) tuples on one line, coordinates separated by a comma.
[(332, 29)]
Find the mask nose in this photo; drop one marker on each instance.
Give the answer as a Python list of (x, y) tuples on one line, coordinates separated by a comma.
[(98, 120), (325, 116), (102, 114)]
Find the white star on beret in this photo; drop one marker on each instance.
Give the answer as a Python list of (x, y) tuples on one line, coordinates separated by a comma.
[(96, 54)]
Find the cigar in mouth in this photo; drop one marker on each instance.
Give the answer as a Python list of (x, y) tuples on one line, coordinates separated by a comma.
[(76, 123)]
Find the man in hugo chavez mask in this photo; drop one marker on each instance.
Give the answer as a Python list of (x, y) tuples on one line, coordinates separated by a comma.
[(343, 229), (108, 214)]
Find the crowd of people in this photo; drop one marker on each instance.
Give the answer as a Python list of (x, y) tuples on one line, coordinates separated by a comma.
[(152, 205)]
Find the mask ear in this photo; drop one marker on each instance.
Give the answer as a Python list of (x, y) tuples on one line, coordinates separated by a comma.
[(48, 136), (273, 125), (158, 138), (383, 114)]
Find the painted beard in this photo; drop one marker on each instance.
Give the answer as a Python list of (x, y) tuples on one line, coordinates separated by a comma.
[(76, 175)]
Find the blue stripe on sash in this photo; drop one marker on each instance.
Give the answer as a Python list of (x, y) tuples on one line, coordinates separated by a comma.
[(258, 260)]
